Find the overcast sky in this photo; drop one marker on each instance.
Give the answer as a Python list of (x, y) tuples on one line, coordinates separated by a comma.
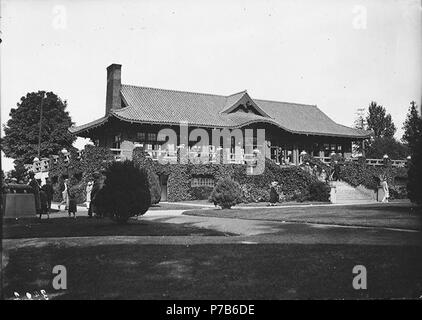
[(339, 55)]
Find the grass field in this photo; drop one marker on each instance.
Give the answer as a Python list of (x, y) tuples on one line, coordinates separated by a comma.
[(82, 226), (216, 271), (394, 215)]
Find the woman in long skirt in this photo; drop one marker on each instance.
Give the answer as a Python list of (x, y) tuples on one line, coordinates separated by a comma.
[(65, 195), (273, 194), (384, 186)]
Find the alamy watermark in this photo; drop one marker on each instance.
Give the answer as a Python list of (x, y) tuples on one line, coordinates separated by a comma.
[(221, 146), (360, 279)]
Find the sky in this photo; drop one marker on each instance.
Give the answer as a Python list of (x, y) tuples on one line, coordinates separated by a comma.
[(339, 55)]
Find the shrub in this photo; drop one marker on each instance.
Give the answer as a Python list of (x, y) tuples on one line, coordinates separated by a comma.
[(201, 193), (125, 192), (226, 193), (319, 191), (251, 193), (414, 184), (154, 187)]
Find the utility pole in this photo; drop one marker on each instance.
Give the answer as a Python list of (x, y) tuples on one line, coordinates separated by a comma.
[(39, 132)]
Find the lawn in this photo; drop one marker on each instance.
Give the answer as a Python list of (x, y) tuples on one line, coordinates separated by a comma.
[(233, 271), (393, 215), (174, 206), (82, 226)]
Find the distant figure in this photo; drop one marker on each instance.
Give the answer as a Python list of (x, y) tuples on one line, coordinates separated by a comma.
[(65, 195), (33, 183), (94, 191), (315, 171), (384, 186), (307, 168), (89, 186), (49, 191), (72, 208), (44, 204), (273, 194), (336, 171), (323, 176)]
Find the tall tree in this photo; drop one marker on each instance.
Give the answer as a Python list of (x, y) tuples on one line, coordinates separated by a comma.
[(380, 146), (414, 185), (23, 128), (360, 121), (412, 126), (379, 121)]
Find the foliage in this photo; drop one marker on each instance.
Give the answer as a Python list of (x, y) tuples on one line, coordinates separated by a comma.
[(292, 181), (201, 193), (19, 172), (414, 185), (360, 121), (386, 145), (250, 193), (379, 121), (319, 191), (125, 192), (154, 187), (359, 173), (79, 168), (22, 130), (412, 126), (226, 193)]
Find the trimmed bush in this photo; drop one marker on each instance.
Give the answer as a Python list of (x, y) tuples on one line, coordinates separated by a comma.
[(125, 192), (319, 191), (226, 193), (154, 187)]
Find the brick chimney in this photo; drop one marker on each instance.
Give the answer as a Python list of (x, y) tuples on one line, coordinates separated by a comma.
[(114, 83)]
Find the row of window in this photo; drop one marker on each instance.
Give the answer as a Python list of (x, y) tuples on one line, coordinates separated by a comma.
[(202, 182)]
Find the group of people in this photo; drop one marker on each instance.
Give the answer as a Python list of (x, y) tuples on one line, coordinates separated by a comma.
[(68, 200), (322, 175), (43, 196)]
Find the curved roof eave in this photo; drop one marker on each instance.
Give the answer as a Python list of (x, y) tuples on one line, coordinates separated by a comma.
[(245, 124)]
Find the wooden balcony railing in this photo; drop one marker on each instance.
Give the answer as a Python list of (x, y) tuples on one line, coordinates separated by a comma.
[(370, 162)]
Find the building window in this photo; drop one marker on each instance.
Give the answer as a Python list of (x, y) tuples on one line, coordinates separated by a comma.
[(202, 182), (116, 141), (152, 137), (140, 136)]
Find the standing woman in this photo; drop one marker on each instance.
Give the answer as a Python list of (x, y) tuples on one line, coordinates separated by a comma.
[(65, 195), (89, 186), (384, 186), (33, 183), (273, 194)]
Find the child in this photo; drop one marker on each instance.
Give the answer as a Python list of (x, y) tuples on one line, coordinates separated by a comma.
[(72, 205)]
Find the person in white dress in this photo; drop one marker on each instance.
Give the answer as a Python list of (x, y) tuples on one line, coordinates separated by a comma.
[(65, 195), (88, 193), (384, 186)]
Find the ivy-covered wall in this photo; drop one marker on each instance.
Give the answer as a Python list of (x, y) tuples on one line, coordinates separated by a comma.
[(293, 180), (359, 173)]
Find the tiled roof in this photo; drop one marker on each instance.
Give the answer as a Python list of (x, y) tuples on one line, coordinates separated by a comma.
[(89, 125), (149, 105)]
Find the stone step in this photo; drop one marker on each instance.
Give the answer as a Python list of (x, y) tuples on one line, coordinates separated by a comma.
[(348, 194), (355, 201)]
